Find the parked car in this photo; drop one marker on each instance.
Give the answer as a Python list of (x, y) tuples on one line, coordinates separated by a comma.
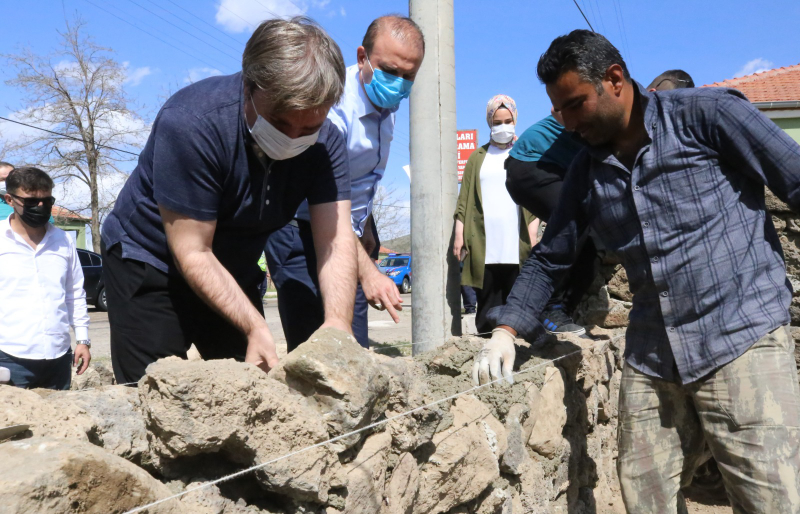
[(398, 267), (92, 265)]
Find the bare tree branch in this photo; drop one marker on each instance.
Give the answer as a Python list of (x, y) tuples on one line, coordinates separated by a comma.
[(76, 91)]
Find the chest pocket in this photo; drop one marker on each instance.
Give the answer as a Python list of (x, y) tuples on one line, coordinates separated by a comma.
[(692, 196)]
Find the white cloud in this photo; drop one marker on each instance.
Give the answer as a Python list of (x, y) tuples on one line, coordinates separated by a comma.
[(320, 4), (197, 74), (755, 66), (342, 12), (245, 15), (134, 76)]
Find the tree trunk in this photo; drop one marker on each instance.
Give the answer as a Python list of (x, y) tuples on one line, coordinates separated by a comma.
[(95, 223)]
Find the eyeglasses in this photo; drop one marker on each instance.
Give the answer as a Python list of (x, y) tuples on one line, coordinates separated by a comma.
[(31, 202)]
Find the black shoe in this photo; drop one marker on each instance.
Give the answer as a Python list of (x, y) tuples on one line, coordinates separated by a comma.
[(556, 321)]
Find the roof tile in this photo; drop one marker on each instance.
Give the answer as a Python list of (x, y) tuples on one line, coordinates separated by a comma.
[(778, 85)]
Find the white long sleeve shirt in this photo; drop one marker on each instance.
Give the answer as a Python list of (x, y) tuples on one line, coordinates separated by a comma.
[(41, 295)]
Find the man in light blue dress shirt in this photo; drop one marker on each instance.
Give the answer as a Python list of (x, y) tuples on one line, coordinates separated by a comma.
[(388, 62)]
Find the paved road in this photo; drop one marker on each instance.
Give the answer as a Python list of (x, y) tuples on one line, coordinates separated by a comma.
[(382, 329)]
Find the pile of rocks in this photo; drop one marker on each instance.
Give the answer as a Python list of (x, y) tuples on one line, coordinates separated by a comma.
[(545, 444)]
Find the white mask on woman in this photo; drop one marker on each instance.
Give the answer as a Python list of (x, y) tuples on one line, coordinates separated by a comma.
[(275, 143), (503, 133)]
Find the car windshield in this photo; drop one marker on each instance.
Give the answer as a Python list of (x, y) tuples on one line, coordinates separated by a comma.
[(393, 262)]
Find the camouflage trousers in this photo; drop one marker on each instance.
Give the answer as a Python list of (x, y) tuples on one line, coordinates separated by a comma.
[(747, 412)]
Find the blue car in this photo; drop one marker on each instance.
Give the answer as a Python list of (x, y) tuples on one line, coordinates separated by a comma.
[(398, 267)]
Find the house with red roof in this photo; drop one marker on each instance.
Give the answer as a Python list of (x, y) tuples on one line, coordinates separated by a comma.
[(74, 225), (776, 93)]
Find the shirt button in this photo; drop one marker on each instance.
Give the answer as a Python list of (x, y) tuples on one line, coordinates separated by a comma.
[(267, 202), (636, 188), (655, 259), (646, 224), (664, 294), (654, 125), (268, 188), (672, 329)]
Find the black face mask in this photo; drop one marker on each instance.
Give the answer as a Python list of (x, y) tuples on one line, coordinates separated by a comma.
[(35, 217)]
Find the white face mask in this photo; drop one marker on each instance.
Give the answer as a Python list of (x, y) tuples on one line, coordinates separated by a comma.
[(3, 187), (503, 133), (275, 143)]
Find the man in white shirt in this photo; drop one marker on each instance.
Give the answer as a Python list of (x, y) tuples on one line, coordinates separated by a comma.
[(41, 289), (388, 61)]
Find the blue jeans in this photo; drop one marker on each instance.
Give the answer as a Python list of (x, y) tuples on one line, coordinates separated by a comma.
[(292, 265), (45, 373)]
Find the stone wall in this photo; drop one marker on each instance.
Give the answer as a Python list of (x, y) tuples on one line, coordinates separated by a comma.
[(544, 445)]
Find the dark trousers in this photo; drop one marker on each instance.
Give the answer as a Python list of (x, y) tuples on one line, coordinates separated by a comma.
[(470, 299), (292, 263), (153, 315), (537, 187), (45, 373), (498, 279)]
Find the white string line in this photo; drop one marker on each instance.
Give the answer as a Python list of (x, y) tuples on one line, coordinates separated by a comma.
[(337, 438)]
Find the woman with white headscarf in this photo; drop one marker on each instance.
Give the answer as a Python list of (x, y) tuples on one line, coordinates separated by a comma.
[(492, 234)]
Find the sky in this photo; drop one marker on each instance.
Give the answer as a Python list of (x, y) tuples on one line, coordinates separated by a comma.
[(167, 44)]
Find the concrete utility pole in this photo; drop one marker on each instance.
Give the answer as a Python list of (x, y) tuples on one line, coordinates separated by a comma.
[(435, 293)]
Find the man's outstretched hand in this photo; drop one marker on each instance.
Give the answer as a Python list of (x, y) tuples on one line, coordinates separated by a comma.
[(496, 357)]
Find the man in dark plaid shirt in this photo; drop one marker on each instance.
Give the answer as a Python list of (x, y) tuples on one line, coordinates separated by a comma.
[(673, 182)]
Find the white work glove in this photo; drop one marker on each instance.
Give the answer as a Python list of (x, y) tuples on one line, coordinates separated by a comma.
[(498, 351)]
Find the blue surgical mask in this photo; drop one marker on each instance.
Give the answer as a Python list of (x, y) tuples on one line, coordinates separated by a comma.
[(387, 91)]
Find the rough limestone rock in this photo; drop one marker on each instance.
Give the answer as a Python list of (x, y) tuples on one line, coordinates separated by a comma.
[(117, 423), (401, 490), (461, 467), (46, 475), (618, 285), (234, 410), (60, 420), (546, 437), (345, 383), (409, 390), (97, 375), (600, 309), (516, 453), (366, 475), (209, 500)]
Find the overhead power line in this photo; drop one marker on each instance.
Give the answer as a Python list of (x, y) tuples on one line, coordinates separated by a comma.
[(67, 136), (235, 57), (581, 11), (152, 35)]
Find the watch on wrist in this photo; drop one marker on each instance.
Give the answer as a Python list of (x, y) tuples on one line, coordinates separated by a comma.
[(86, 342)]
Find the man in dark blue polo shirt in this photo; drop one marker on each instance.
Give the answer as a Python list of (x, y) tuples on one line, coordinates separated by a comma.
[(228, 161)]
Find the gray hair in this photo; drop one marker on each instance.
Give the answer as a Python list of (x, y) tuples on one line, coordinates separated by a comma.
[(296, 63)]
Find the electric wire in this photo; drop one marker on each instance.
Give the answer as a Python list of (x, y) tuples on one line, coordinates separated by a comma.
[(65, 136)]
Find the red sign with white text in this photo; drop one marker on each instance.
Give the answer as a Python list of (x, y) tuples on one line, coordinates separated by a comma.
[(467, 143)]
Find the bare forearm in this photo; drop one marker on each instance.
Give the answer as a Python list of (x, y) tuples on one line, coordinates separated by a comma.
[(217, 287), (365, 264), (337, 280)]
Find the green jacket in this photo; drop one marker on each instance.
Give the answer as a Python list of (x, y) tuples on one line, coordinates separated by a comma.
[(470, 212)]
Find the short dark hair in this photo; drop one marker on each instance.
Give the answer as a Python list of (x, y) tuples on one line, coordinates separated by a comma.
[(4, 164), (678, 79), (401, 27), (587, 53), (28, 178)]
